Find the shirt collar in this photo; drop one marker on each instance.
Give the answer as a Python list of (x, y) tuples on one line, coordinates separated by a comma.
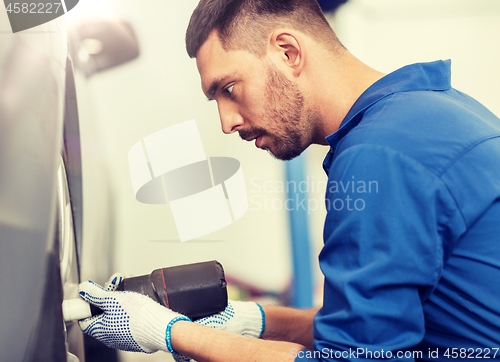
[(415, 77)]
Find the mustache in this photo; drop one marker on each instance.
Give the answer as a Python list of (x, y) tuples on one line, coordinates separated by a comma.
[(252, 133)]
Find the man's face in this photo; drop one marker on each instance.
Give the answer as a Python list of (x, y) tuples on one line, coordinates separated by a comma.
[(255, 99)]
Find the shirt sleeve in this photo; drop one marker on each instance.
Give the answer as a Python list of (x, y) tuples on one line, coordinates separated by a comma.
[(388, 220)]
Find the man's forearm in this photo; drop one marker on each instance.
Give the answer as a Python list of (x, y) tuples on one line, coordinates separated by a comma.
[(288, 324), (208, 344)]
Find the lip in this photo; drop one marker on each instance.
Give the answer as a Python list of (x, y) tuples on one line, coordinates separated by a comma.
[(258, 142)]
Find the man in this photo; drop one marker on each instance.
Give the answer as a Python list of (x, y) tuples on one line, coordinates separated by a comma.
[(412, 274)]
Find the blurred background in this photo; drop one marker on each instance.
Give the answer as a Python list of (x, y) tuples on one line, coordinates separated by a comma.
[(162, 88)]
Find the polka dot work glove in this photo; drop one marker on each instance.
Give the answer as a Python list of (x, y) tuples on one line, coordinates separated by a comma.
[(244, 318), (130, 322)]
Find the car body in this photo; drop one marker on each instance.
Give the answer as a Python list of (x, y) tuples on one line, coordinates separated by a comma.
[(51, 223)]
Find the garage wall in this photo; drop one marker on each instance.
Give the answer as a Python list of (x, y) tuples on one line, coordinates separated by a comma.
[(388, 34)]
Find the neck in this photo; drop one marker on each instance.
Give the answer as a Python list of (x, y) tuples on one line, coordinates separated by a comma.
[(337, 81)]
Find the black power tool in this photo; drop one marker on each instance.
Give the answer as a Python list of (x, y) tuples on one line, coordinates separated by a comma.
[(195, 290)]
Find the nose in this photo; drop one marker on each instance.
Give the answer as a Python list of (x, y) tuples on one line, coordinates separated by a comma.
[(230, 118)]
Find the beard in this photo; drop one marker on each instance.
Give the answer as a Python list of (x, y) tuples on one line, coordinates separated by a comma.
[(288, 133)]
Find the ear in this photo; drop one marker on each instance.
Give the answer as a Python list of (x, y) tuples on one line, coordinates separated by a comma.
[(287, 48)]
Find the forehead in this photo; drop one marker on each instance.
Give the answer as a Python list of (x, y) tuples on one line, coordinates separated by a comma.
[(214, 63)]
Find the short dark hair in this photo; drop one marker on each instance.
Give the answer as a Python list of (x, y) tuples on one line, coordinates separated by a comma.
[(245, 24)]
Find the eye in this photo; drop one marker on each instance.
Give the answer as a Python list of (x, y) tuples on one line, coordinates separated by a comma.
[(229, 90)]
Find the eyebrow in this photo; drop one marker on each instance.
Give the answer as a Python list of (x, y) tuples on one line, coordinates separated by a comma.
[(216, 84)]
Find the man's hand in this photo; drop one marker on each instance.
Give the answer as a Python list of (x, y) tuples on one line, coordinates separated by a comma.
[(243, 318), (130, 322)]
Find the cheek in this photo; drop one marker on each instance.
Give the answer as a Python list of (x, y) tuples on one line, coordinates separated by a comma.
[(254, 93), (252, 107)]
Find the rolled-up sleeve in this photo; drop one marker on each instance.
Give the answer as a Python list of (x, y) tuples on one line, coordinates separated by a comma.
[(388, 228)]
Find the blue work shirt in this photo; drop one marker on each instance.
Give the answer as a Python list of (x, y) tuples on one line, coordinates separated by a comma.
[(412, 234)]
